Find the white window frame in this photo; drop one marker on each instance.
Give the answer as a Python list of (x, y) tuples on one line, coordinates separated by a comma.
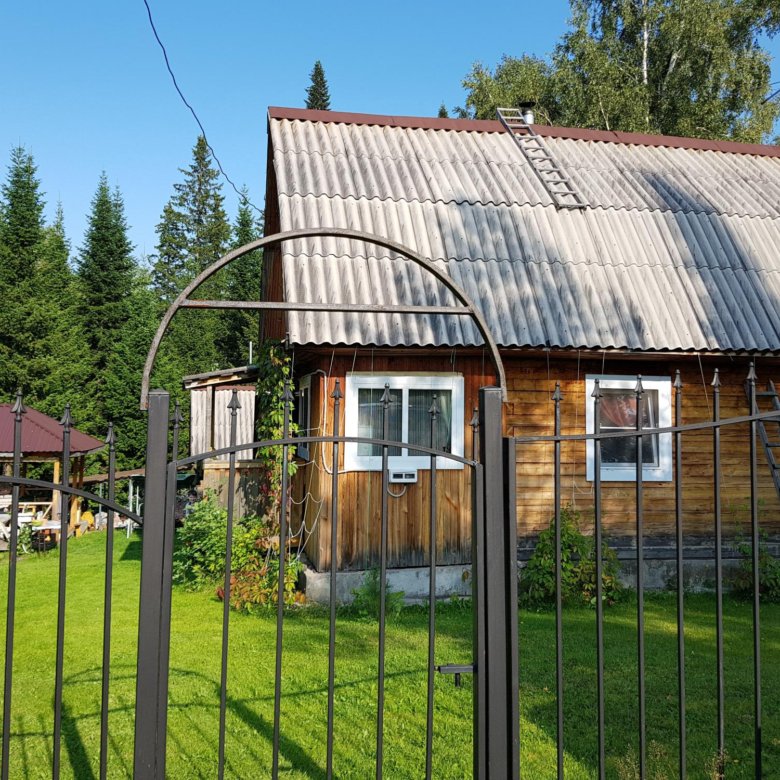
[(356, 381), (618, 472), (304, 384)]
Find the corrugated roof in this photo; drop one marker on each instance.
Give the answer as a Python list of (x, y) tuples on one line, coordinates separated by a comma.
[(677, 249), (41, 435)]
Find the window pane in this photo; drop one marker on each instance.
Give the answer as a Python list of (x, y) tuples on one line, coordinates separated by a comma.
[(370, 411), (420, 402), (618, 412)]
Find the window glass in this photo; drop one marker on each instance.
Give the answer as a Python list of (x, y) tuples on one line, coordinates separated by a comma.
[(370, 418), (618, 412), (420, 402)]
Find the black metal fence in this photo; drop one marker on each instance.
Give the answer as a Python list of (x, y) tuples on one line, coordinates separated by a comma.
[(641, 436), (156, 580), (66, 493)]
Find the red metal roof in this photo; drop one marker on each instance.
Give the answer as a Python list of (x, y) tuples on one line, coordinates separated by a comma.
[(41, 435), (494, 126)]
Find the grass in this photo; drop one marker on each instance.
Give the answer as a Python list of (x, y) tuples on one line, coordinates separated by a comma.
[(194, 684)]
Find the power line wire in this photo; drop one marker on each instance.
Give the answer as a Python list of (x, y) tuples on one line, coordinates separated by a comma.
[(240, 194)]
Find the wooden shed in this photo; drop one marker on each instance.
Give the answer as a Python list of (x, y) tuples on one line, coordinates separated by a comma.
[(666, 261)]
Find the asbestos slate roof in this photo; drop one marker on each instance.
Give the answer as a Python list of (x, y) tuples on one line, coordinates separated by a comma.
[(677, 249)]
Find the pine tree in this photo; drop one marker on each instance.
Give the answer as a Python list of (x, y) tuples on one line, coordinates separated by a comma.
[(244, 280), (443, 113), (317, 93), (105, 269)]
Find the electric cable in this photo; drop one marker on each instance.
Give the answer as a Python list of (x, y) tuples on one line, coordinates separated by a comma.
[(227, 178)]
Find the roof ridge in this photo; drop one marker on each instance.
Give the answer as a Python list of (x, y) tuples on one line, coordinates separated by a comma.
[(494, 126)]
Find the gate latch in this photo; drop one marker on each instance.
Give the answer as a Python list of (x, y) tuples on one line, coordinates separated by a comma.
[(457, 670)]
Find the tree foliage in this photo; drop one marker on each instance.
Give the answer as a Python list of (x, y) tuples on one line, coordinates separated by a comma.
[(679, 67), (317, 93)]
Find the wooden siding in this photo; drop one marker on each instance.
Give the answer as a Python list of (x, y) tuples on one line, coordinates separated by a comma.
[(360, 491), (529, 412), (210, 419)]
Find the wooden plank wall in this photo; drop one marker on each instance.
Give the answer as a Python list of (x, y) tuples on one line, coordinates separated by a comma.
[(360, 492), (530, 411)]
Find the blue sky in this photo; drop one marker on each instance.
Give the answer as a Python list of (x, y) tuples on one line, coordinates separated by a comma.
[(84, 85)]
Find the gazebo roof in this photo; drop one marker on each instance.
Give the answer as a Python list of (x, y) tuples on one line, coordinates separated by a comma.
[(41, 436)]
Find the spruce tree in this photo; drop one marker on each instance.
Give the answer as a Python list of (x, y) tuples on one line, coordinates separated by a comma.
[(244, 280), (317, 93), (443, 113), (20, 248), (193, 233), (105, 269)]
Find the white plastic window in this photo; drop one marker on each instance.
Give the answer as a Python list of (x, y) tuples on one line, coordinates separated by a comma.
[(409, 420), (618, 413)]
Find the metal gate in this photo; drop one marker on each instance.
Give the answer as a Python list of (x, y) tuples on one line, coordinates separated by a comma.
[(493, 591)]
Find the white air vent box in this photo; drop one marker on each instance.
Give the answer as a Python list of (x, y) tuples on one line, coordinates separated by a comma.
[(404, 476)]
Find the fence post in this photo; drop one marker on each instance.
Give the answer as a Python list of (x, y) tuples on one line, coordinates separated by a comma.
[(150, 698), (497, 681)]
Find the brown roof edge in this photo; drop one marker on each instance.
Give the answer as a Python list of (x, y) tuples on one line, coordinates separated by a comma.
[(494, 126)]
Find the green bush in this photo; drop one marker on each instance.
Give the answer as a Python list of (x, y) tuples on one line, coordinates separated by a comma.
[(366, 597), (578, 567), (768, 570), (200, 549)]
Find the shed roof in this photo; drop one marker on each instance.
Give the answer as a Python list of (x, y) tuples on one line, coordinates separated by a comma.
[(41, 435), (677, 249)]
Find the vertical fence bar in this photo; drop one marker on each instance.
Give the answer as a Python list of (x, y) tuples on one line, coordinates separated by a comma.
[(497, 676), (716, 498), (640, 577), (434, 412), (678, 389), (336, 395), (61, 592), (18, 410), (287, 398), (380, 705), (167, 585), (169, 531), (599, 577), (557, 396), (149, 698), (754, 534), (107, 598), (234, 406), (479, 698)]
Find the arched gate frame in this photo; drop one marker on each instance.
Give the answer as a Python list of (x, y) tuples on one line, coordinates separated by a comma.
[(494, 586)]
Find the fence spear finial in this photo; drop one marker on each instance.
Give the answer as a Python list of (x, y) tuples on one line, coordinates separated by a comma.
[(716, 379), (234, 404), (19, 408), (557, 395), (177, 418), (434, 409), (66, 420), (640, 388), (597, 394), (678, 385), (751, 377), (111, 435), (337, 395)]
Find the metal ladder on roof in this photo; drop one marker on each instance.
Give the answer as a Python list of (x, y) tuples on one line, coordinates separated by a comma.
[(771, 445), (559, 186)]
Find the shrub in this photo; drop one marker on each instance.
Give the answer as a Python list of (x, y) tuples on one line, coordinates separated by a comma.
[(200, 549), (366, 601), (768, 570), (578, 566)]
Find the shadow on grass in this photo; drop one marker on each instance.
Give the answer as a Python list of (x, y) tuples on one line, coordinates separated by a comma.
[(133, 550), (74, 745)]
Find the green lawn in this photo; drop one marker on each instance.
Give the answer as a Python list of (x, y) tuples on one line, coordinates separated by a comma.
[(195, 653)]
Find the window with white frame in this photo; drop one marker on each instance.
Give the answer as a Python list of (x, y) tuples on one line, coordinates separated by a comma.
[(618, 412), (409, 419), (303, 414)]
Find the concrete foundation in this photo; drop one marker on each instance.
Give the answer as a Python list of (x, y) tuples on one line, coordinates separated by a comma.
[(451, 581)]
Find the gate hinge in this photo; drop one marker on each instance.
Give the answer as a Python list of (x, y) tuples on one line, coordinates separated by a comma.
[(457, 670)]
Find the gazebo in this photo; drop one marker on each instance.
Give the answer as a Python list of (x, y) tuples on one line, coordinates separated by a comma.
[(42, 443)]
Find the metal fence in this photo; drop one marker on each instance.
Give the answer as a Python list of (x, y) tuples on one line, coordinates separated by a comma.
[(640, 435), (66, 492)]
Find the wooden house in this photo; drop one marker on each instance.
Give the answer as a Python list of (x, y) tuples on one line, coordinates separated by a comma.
[(667, 262)]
